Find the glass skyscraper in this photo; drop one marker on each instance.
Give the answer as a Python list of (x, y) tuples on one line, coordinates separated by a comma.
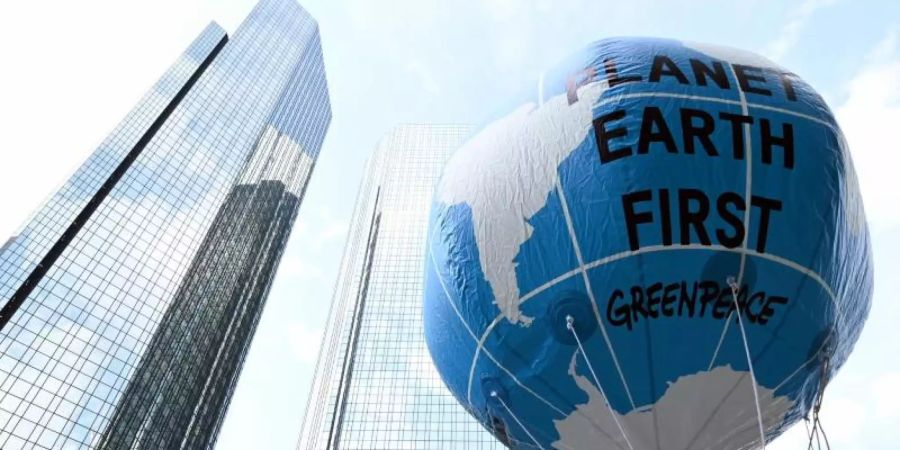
[(375, 386), (130, 297)]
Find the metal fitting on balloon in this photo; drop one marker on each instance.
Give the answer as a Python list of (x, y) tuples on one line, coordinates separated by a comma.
[(571, 311)]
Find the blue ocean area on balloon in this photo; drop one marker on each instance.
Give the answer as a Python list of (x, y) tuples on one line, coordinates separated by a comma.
[(663, 246)]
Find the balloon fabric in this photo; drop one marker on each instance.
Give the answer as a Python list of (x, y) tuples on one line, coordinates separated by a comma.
[(663, 246)]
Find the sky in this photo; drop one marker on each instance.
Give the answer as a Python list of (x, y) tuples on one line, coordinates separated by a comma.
[(71, 70)]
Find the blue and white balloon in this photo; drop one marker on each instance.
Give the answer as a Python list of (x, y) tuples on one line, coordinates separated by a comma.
[(686, 214)]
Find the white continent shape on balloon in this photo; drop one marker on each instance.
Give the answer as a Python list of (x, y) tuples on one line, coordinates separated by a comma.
[(505, 173), (721, 394)]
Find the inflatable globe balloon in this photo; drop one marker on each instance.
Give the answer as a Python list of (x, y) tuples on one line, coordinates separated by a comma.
[(663, 247)]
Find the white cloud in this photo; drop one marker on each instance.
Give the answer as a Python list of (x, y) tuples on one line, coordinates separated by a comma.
[(370, 15), (885, 390), (791, 31), (423, 73), (297, 266), (869, 117), (501, 10), (318, 233), (847, 419), (885, 49), (334, 230), (304, 340)]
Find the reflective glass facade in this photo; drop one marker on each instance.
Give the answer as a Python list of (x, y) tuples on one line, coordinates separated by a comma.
[(130, 297), (375, 385)]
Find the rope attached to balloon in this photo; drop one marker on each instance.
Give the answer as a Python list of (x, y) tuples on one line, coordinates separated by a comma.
[(732, 282), (497, 397), (817, 433), (570, 325)]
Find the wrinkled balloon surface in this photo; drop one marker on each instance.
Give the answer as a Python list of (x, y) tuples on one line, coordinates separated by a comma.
[(641, 185)]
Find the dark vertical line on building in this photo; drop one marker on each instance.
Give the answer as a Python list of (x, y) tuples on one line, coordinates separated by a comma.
[(337, 419), (15, 302)]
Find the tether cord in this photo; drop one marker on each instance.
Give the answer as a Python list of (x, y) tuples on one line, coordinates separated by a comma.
[(570, 324), (818, 432), (513, 415), (734, 296)]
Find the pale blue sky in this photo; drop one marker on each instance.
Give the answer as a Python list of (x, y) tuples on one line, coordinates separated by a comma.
[(70, 72)]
